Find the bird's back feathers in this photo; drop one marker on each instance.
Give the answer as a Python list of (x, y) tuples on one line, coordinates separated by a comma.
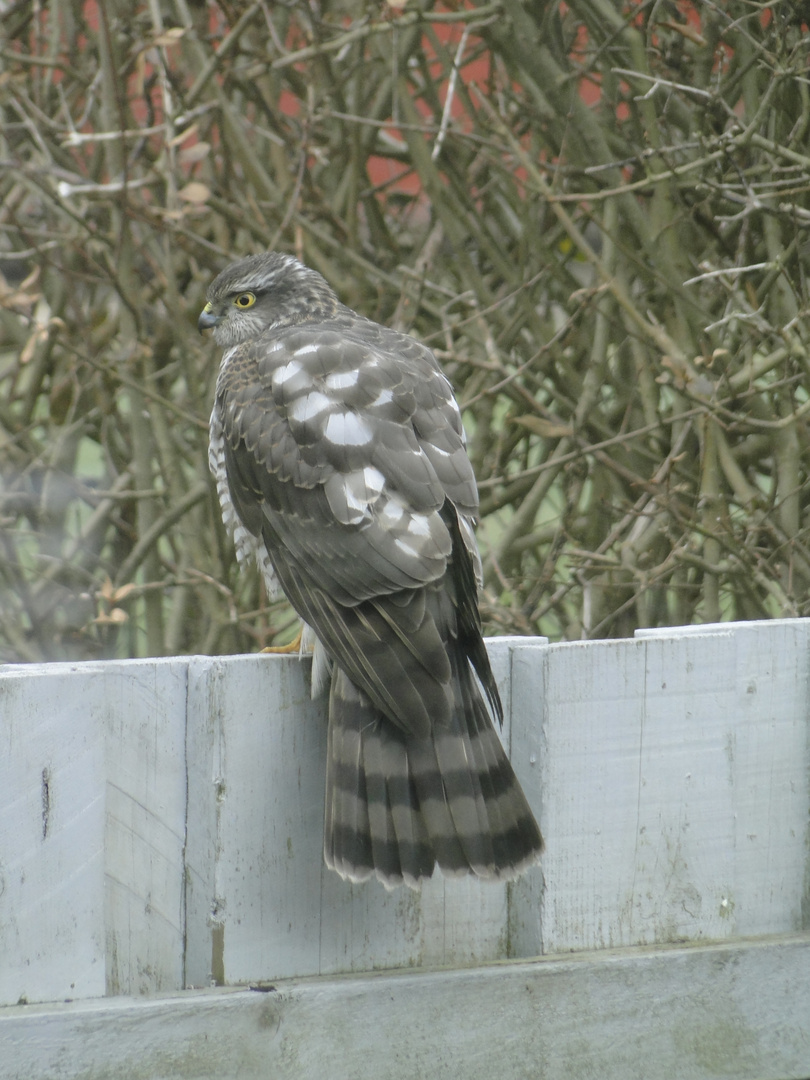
[(343, 458)]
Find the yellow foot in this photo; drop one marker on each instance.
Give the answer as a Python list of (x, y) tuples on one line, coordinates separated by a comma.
[(292, 647)]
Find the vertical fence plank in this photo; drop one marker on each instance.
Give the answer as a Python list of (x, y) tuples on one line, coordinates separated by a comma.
[(683, 864), (766, 762), (256, 747), (529, 738), (673, 786), (260, 904), (587, 778), (144, 720), (92, 829), (51, 834)]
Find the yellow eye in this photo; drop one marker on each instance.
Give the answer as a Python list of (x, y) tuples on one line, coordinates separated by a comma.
[(245, 300)]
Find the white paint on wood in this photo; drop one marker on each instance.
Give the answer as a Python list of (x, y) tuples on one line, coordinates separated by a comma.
[(260, 902), (672, 785), (527, 750), (51, 836), (729, 1012), (748, 627), (144, 706), (669, 774), (92, 828)]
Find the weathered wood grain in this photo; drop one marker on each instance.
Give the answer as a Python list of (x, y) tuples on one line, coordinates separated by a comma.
[(726, 1012), (161, 821), (260, 903), (671, 773), (92, 829)]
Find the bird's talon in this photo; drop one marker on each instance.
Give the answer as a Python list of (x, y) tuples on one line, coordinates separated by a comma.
[(293, 646)]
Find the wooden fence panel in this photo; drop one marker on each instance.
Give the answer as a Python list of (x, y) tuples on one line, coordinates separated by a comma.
[(92, 829), (52, 833), (671, 774), (260, 902), (144, 719), (161, 820)]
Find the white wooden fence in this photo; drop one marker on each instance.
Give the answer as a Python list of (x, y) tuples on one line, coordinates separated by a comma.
[(161, 829)]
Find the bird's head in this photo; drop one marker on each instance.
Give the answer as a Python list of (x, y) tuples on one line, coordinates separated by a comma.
[(262, 292)]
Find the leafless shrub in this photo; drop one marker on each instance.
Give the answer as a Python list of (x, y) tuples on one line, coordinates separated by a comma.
[(598, 217)]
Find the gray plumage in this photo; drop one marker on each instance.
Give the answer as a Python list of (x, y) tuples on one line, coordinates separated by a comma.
[(339, 457)]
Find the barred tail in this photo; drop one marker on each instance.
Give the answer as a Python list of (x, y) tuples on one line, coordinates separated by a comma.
[(396, 805)]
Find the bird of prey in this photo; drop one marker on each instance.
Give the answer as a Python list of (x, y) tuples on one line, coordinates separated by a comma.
[(340, 464)]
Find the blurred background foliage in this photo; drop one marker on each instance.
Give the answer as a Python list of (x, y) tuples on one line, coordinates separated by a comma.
[(595, 212)]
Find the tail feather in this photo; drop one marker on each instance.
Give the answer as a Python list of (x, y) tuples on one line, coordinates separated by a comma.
[(477, 725), (384, 845), (432, 804), (465, 799), (512, 825), (347, 845), (397, 804), (409, 832)]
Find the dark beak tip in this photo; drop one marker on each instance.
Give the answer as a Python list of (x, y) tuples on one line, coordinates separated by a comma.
[(207, 321)]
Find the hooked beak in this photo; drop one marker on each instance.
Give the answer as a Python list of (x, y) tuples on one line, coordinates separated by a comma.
[(207, 320)]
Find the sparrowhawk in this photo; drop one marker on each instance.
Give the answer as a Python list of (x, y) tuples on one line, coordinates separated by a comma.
[(340, 464)]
